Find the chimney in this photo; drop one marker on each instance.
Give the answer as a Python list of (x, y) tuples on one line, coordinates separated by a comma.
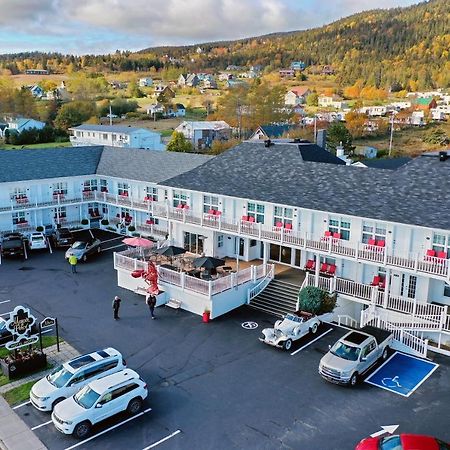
[(322, 138), (443, 156)]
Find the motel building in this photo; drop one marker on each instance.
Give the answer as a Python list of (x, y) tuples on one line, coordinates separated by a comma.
[(284, 215)]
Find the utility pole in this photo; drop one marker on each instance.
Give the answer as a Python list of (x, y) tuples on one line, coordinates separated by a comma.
[(315, 129), (110, 115), (392, 133)]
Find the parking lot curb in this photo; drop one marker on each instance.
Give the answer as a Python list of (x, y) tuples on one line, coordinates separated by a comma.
[(14, 433)]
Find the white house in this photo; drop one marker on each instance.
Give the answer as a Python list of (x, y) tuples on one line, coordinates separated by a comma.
[(21, 123), (417, 118), (296, 96), (332, 101), (202, 134), (177, 110), (383, 248), (116, 136), (145, 82), (36, 91)]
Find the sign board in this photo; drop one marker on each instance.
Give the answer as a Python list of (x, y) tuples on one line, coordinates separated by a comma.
[(13, 345), (48, 322), (20, 322)]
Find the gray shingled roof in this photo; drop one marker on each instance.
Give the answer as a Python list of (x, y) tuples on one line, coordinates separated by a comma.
[(386, 163), (146, 165), (36, 164), (110, 128), (417, 193)]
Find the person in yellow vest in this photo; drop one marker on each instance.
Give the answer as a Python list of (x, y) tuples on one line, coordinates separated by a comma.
[(73, 260)]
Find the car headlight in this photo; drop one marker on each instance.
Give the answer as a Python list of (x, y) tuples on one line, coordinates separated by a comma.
[(67, 422)]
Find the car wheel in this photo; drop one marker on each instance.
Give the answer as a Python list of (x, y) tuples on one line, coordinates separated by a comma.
[(84, 258), (287, 344), (134, 406), (313, 329), (354, 379), (385, 354), (58, 400), (82, 430)]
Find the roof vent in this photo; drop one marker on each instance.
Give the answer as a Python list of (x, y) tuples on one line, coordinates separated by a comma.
[(443, 156), (268, 143)]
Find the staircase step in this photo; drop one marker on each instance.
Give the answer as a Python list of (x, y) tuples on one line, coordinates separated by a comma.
[(274, 304), (267, 310)]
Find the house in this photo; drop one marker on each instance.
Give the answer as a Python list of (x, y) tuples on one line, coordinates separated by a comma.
[(209, 82), (3, 127), (400, 105), (271, 132), (190, 79), (225, 76), (177, 110), (233, 68), (36, 91), (286, 73), (164, 91), (366, 151), (327, 70), (116, 136), (374, 111), (21, 123), (203, 134), (145, 82), (417, 118), (37, 72), (424, 103), (296, 96), (298, 66), (332, 101), (438, 115), (383, 249), (118, 84), (232, 83), (155, 109)]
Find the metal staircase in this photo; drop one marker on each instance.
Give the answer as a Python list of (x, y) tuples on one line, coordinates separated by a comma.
[(277, 298)]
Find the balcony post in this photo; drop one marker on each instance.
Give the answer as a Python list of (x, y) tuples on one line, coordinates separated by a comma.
[(259, 230), (239, 227), (209, 288), (330, 242), (386, 289), (374, 295), (135, 264), (385, 256), (167, 209), (416, 261), (282, 235), (220, 222), (183, 280), (253, 272), (317, 271)]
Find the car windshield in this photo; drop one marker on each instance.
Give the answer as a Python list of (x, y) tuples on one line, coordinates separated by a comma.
[(59, 376), (64, 233), (79, 245), (86, 397), (391, 443), (345, 351), (38, 238)]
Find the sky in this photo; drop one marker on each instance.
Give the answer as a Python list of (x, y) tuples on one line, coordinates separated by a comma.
[(103, 26)]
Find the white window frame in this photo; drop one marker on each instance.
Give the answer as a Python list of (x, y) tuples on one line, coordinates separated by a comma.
[(373, 230), (60, 187), (283, 215), (123, 188), (152, 193), (257, 211), (179, 198), (210, 202), (341, 226)]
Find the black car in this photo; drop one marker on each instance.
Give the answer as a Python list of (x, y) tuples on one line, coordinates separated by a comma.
[(62, 237), (13, 245)]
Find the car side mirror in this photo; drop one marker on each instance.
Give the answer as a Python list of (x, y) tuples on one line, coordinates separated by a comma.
[(329, 347), (363, 359), (99, 405)]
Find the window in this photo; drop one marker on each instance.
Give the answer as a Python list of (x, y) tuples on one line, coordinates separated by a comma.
[(114, 137), (60, 212), (372, 230), (256, 210), (179, 198), (441, 243), (220, 241), (105, 136), (282, 215), (90, 185), (103, 186), (18, 193), (19, 217), (116, 393), (210, 202), (446, 290), (340, 226), (122, 188), (105, 209), (152, 193), (60, 188)]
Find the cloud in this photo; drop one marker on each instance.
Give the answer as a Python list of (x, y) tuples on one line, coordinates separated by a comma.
[(82, 26)]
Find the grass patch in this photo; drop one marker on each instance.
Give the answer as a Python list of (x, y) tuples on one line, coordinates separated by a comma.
[(46, 145), (166, 133), (19, 394)]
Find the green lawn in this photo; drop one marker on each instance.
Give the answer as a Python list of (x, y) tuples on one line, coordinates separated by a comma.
[(19, 394), (46, 145)]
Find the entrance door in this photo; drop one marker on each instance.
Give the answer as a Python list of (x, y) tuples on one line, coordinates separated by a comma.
[(408, 286), (241, 246), (280, 254)]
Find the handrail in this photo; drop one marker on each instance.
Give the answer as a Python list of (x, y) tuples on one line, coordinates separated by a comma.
[(349, 321), (261, 285)]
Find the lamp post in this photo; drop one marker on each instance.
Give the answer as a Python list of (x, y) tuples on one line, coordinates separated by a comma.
[(392, 133)]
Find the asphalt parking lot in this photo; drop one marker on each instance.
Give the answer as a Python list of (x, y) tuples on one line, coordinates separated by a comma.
[(211, 386)]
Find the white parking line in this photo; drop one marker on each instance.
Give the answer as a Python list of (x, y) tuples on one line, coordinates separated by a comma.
[(22, 404), (162, 440), (108, 429), (309, 343), (41, 425), (4, 301)]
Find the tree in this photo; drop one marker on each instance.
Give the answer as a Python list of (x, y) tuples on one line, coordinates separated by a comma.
[(337, 133), (134, 91), (312, 99), (314, 300), (119, 106), (178, 143), (437, 136), (74, 113), (355, 123)]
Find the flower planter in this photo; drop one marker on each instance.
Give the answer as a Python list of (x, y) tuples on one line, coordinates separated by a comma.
[(20, 367)]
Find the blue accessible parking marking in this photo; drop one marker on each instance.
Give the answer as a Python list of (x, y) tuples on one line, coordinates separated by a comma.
[(402, 374)]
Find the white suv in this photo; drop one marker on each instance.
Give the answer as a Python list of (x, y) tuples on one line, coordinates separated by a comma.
[(69, 378), (37, 241), (99, 400)]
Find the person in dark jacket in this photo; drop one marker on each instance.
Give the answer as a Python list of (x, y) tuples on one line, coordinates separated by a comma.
[(151, 303), (116, 306)]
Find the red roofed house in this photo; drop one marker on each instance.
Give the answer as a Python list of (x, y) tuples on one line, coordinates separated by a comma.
[(296, 95)]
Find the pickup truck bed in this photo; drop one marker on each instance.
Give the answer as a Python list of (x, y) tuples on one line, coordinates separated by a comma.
[(379, 334)]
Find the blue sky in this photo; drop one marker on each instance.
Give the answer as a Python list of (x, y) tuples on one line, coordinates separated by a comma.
[(102, 26)]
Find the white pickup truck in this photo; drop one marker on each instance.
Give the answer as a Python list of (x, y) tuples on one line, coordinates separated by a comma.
[(354, 354), (291, 328)]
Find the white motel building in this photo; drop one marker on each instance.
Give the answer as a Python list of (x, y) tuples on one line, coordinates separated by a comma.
[(378, 238)]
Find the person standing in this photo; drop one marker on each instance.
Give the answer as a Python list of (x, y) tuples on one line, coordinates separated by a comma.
[(73, 260), (151, 303), (116, 306)]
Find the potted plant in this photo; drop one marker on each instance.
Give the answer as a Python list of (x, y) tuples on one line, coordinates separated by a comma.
[(23, 362), (105, 222), (206, 315), (39, 229), (131, 228), (84, 221)]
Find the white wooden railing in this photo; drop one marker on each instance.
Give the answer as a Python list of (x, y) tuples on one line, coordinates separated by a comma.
[(253, 292), (345, 320)]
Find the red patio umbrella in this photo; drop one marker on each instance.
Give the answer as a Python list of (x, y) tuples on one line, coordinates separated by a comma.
[(138, 242)]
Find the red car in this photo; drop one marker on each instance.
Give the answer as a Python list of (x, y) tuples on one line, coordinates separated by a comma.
[(402, 442)]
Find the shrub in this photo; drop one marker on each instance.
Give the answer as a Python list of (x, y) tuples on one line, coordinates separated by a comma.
[(315, 300), (84, 222), (39, 229), (131, 228), (111, 228), (105, 222)]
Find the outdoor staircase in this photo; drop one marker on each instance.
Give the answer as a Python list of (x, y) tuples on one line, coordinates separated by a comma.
[(278, 298)]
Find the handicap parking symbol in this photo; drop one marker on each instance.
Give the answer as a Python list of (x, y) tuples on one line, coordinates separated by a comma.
[(402, 374), (249, 325)]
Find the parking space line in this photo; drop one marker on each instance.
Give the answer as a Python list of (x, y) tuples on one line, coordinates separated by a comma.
[(309, 343), (162, 440), (4, 301), (108, 429), (22, 404), (41, 425)]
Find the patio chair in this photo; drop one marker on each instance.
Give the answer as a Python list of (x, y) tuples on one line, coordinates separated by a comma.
[(376, 281), (244, 218), (442, 255), (382, 284), (251, 219), (372, 242), (279, 225), (337, 236), (328, 234), (381, 244), (332, 270), (288, 226), (309, 264), (324, 268), (430, 254)]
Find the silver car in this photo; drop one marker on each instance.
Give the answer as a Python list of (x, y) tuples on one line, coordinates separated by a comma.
[(83, 249)]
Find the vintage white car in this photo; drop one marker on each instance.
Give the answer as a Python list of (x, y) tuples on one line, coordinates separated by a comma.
[(291, 328)]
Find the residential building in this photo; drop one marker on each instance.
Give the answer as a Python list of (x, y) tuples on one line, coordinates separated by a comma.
[(189, 79), (36, 91), (22, 123), (289, 204), (177, 110), (296, 96), (225, 76), (116, 136), (145, 82), (232, 83), (203, 134), (164, 91), (37, 72), (417, 118), (425, 103), (298, 65), (332, 101), (271, 132), (286, 73)]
